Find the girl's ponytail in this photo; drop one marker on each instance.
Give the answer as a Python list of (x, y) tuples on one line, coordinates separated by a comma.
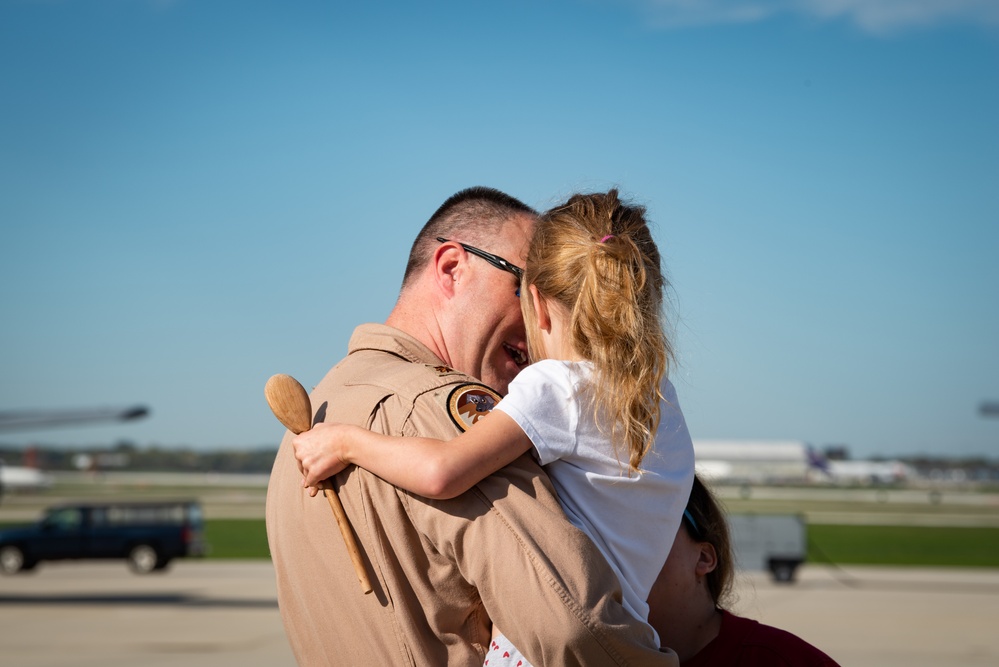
[(596, 258)]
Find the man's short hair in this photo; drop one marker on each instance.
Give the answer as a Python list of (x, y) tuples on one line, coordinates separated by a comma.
[(471, 216)]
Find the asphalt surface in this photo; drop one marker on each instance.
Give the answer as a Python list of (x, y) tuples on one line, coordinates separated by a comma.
[(224, 614)]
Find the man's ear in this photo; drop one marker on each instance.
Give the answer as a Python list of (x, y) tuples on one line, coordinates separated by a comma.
[(540, 309), (447, 268), (707, 559)]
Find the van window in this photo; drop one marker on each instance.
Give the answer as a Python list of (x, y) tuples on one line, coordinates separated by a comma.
[(67, 518), (146, 514)]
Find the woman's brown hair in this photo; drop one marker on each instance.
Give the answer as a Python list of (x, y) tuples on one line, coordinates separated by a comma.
[(704, 520)]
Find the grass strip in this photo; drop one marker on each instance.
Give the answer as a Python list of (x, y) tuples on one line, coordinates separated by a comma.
[(236, 538), (956, 546), (842, 544), (924, 546)]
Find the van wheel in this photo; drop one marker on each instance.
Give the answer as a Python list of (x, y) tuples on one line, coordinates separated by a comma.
[(783, 571), (143, 558), (12, 560)]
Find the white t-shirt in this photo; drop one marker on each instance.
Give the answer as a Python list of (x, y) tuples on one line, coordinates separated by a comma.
[(632, 519)]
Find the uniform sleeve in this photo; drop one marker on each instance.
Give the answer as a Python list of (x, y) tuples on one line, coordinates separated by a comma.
[(540, 579)]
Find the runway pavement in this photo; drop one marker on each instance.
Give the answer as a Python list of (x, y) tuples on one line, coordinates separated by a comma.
[(224, 614)]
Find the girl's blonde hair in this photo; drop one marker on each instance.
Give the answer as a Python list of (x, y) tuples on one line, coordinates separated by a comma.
[(595, 258)]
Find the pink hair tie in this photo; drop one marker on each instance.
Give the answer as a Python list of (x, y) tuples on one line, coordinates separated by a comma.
[(604, 239)]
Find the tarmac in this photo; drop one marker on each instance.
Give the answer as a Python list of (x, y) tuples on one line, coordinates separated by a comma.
[(224, 614)]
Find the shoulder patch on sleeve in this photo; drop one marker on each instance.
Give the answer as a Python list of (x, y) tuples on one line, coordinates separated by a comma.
[(467, 403)]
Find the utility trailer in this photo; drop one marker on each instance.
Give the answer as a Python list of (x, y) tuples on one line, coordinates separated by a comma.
[(775, 543)]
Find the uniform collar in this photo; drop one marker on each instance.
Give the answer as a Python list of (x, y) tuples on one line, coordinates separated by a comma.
[(384, 338)]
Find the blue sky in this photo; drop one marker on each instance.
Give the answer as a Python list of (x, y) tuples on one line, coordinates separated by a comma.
[(196, 195)]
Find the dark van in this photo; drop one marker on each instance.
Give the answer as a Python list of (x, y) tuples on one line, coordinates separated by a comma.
[(147, 534)]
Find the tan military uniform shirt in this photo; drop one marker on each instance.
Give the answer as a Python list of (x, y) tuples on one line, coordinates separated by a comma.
[(441, 569)]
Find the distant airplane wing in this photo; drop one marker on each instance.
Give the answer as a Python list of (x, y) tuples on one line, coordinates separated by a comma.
[(25, 420)]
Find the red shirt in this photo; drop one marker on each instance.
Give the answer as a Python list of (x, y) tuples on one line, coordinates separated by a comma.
[(743, 642)]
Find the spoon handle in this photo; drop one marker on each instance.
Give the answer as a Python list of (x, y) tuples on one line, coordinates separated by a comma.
[(290, 403)]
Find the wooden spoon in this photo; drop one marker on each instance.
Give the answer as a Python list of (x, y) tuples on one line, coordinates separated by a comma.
[(291, 405)]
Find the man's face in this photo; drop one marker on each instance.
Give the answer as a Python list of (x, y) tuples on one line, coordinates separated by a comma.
[(488, 329)]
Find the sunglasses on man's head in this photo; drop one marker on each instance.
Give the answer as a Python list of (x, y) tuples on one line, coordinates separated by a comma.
[(495, 260)]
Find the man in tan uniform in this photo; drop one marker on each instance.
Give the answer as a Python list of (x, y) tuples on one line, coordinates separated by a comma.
[(442, 571)]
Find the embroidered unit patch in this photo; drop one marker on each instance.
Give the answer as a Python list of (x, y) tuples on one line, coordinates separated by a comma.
[(468, 403)]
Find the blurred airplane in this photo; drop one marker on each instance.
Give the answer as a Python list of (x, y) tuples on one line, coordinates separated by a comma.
[(870, 472), (30, 477), (23, 420), (758, 461), (789, 462)]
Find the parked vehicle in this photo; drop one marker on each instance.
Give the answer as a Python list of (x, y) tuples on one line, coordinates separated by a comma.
[(147, 534), (770, 542)]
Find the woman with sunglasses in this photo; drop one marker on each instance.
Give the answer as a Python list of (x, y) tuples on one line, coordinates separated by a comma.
[(696, 581), (596, 408)]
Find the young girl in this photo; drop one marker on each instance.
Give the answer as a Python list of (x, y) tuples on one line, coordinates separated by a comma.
[(596, 407)]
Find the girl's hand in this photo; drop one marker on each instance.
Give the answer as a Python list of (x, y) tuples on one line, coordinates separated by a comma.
[(320, 453)]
